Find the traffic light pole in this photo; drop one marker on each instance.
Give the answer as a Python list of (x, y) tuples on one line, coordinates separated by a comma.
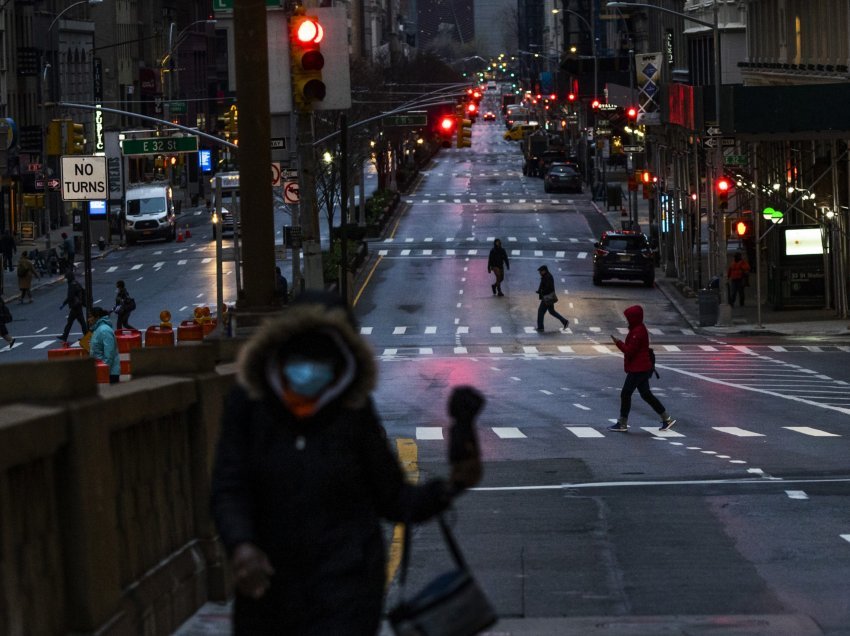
[(312, 249)]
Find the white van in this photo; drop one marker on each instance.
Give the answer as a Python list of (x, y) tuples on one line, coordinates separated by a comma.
[(149, 213)]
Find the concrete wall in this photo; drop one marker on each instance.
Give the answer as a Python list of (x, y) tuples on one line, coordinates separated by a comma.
[(104, 493)]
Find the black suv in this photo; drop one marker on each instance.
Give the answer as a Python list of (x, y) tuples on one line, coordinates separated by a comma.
[(623, 254)]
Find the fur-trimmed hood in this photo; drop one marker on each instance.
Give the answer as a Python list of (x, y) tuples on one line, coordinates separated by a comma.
[(293, 325)]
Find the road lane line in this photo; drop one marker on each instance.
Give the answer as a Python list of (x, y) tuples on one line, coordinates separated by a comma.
[(508, 432), (586, 432), (461, 350), (736, 431), (429, 432), (807, 430), (399, 331), (658, 433), (44, 344), (430, 330), (496, 350), (366, 331), (390, 352), (796, 494)]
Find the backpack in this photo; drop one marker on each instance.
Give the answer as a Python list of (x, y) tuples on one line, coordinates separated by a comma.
[(652, 361), (129, 304)]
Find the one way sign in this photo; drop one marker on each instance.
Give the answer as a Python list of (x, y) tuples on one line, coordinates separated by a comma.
[(718, 142)]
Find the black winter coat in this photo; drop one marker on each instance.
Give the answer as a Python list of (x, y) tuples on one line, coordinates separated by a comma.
[(311, 494), (547, 285)]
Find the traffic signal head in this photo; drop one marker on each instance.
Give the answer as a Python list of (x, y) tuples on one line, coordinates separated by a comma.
[(742, 228), (471, 109), (571, 97), (447, 125), (307, 62), (54, 138), (595, 104), (632, 113), (464, 134), (646, 176), (723, 186), (75, 138)]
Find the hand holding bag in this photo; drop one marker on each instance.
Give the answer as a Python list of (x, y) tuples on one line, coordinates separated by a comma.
[(451, 605)]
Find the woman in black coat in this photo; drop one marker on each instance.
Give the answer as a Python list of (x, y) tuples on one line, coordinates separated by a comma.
[(304, 474)]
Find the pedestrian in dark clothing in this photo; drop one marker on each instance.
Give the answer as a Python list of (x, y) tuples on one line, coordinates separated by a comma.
[(281, 285), (638, 366), (69, 249), (304, 473), (738, 275), (497, 263), (75, 300), (124, 305), (26, 271), (8, 248), (548, 298), (5, 318)]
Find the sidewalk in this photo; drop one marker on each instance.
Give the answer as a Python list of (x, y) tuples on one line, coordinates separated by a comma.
[(9, 289), (745, 320)]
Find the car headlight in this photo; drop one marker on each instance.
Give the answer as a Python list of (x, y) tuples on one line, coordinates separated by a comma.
[(129, 223), (163, 219), (215, 217)]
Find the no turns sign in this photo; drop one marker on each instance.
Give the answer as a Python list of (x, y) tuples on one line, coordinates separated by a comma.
[(290, 192), (84, 178)]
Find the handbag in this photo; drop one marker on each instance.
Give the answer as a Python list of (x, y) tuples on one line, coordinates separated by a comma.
[(551, 298), (451, 605)]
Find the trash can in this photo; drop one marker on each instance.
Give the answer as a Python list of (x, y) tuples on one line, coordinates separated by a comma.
[(709, 307)]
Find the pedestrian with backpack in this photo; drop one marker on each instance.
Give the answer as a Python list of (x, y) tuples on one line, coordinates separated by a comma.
[(75, 300), (5, 318), (639, 366), (124, 305)]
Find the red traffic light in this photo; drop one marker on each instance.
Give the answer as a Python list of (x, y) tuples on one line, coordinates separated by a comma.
[(595, 104), (632, 112), (447, 124), (572, 97), (723, 185), (471, 108), (309, 31)]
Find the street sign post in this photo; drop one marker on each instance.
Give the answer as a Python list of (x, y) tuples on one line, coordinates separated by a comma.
[(735, 160), (84, 178), (291, 195), (159, 145), (719, 142), (412, 118), (633, 148)]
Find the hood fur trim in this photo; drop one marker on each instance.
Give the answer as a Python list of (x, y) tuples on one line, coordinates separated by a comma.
[(294, 323)]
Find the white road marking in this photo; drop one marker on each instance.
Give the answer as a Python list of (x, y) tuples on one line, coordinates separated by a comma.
[(366, 331), (515, 252), (461, 350), (530, 350), (581, 406), (584, 431), (738, 432), (182, 262), (390, 352), (427, 252), (655, 331), (671, 348), (529, 329), (429, 432), (399, 331), (846, 537), (426, 351), (450, 252), (658, 433), (796, 494), (601, 349), (496, 350), (109, 270), (581, 255), (463, 329), (516, 379), (508, 432), (408, 240), (707, 348), (495, 330), (44, 344), (430, 330), (472, 252), (807, 430), (565, 349), (405, 252), (538, 252), (560, 254), (159, 264), (383, 252), (777, 348)]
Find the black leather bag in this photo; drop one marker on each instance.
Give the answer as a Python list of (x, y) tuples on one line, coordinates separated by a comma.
[(451, 605)]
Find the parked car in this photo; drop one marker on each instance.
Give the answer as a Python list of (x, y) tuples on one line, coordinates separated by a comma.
[(562, 178), (489, 116), (548, 157), (625, 255)]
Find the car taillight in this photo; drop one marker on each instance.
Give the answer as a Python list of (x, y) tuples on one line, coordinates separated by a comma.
[(601, 252)]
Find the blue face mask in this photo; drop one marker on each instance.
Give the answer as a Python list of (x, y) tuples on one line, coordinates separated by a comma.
[(308, 377)]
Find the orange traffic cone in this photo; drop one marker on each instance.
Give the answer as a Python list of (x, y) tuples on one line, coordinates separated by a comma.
[(179, 235), (188, 231)]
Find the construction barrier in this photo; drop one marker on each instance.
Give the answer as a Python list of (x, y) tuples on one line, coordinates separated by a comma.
[(159, 337), (128, 339), (66, 351), (102, 370), (189, 331)]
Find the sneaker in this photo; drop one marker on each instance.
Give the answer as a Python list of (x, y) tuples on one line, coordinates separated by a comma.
[(667, 424), (566, 324), (12, 344), (539, 329), (619, 428)]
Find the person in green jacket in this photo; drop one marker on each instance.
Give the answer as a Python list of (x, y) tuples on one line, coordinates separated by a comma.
[(103, 345)]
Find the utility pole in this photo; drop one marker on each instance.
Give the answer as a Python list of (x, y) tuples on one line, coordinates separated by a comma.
[(252, 91)]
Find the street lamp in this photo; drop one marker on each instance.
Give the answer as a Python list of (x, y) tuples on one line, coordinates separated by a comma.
[(42, 87), (174, 43), (725, 314)]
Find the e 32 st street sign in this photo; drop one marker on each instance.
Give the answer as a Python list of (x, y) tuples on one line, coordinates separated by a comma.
[(159, 145)]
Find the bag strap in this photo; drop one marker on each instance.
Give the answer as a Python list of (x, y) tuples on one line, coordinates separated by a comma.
[(449, 539)]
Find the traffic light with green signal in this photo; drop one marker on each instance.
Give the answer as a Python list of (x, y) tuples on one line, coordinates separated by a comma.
[(464, 133), (75, 138), (306, 60)]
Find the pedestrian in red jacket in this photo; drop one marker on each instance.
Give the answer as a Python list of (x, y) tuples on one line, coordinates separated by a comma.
[(638, 366)]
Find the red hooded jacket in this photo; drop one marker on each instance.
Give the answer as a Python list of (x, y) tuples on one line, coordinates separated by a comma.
[(636, 346)]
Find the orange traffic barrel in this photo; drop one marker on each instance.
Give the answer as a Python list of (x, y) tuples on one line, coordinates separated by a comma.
[(188, 331), (66, 351), (208, 326), (102, 370), (128, 339), (159, 337)]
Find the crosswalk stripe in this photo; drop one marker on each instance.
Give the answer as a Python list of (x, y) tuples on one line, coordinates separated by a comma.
[(508, 432), (565, 349), (707, 348), (671, 348), (399, 331), (584, 431), (461, 350), (560, 254), (530, 350), (430, 330), (462, 329), (44, 344), (777, 348), (390, 352), (366, 331), (496, 350), (405, 252), (658, 433), (601, 348), (808, 430), (426, 351), (137, 266), (738, 432), (427, 252), (429, 432), (655, 331), (495, 330), (796, 494), (182, 261), (109, 270)]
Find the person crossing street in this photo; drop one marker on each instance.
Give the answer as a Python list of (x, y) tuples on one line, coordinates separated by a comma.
[(548, 298), (497, 263)]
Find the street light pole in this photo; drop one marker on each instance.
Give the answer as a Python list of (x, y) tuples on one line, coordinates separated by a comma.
[(719, 256)]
